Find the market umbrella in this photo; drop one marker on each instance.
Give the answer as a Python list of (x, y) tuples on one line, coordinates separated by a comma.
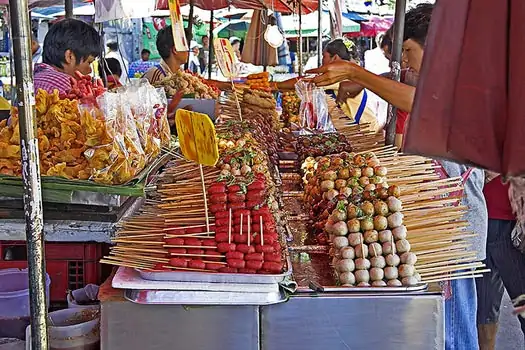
[(467, 106), (284, 6), (231, 28), (372, 27), (253, 51), (310, 25)]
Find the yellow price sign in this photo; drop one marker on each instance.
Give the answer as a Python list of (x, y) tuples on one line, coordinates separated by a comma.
[(177, 26), (197, 138)]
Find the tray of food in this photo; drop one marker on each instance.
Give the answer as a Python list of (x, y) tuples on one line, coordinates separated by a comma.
[(316, 287), (218, 277)]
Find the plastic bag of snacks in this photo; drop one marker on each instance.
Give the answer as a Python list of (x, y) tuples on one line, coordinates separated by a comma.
[(313, 112), (161, 127), (139, 98), (115, 154)]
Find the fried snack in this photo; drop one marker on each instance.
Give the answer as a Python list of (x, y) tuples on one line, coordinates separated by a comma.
[(188, 84), (84, 142)]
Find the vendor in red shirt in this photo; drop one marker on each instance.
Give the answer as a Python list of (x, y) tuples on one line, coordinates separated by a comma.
[(70, 46), (506, 263)]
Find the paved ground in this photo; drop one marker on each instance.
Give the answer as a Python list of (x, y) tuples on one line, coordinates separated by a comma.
[(509, 335)]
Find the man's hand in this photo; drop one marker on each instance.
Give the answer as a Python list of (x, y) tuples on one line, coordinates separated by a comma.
[(333, 73), (348, 89)]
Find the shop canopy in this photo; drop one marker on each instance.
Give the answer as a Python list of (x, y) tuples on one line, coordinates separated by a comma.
[(310, 25), (373, 27), (283, 6)]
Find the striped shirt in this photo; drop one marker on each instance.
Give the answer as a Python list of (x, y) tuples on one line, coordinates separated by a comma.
[(156, 74), (48, 78)]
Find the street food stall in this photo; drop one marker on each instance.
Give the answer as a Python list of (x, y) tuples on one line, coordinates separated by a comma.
[(258, 231)]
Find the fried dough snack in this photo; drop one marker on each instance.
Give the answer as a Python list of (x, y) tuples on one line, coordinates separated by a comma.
[(88, 142)]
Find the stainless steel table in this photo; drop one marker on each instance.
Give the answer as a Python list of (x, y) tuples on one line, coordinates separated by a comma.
[(355, 321)]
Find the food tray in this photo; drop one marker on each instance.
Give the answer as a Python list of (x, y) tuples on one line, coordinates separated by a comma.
[(171, 297), (129, 278), (340, 289), (205, 277)]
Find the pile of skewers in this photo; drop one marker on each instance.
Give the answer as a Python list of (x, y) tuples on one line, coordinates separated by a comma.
[(223, 221)]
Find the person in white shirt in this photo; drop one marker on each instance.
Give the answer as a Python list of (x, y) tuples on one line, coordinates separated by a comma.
[(375, 60), (194, 64), (113, 52)]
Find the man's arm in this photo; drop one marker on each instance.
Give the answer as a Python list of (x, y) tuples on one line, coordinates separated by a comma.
[(398, 94)]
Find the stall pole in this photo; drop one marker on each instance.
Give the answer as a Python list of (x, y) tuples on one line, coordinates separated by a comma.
[(300, 46), (21, 27), (190, 30), (264, 46), (319, 33), (395, 72), (210, 48), (68, 7)]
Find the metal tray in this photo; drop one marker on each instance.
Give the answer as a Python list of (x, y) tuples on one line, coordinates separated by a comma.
[(340, 289), (171, 297), (205, 277)]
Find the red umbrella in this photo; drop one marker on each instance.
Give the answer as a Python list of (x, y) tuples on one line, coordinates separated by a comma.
[(468, 101)]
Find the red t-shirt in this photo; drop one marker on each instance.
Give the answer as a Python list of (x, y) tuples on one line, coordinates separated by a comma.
[(498, 203), (402, 116)]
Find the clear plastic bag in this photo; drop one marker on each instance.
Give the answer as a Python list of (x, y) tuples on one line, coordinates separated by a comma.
[(313, 112), (115, 154)]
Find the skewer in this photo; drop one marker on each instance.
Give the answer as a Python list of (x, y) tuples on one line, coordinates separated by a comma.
[(183, 227), (124, 264), (187, 269), (249, 229), (196, 255), (189, 246), (230, 226), (205, 199), (262, 229), (188, 235), (241, 223), (123, 240)]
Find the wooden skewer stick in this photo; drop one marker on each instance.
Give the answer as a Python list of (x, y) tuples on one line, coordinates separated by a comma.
[(122, 263), (122, 248), (123, 240), (230, 226), (135, 236), (448, 278), (186, 269), (242, 217), (188, 246), (196, 255), (441, 269), (183, 227), (137, 257), (190, 235), (262, 229), (249, 229), (205, 199)]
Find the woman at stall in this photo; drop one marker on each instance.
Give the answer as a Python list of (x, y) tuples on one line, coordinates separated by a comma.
[(70, 46), (357, 107), (460, 304)]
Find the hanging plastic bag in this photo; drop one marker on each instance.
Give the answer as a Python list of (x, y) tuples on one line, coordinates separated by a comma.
[(115, 154), (313, 112)]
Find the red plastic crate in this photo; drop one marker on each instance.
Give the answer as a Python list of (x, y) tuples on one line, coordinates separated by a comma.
[(69, 265)]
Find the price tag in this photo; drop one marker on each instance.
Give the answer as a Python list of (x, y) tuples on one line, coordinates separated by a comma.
[(197, 138), (225, 57), (177, 25)]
